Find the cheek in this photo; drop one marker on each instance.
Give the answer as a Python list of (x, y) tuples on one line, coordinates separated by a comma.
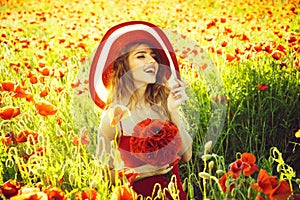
[(134, 65)]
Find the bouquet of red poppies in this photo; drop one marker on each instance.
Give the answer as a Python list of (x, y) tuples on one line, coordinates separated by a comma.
[(156, 142)]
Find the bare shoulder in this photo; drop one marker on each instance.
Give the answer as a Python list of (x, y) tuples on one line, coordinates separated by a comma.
[(105, 128)]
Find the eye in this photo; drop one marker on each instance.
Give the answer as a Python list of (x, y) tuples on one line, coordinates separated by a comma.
[(140, 56), (154, 56)]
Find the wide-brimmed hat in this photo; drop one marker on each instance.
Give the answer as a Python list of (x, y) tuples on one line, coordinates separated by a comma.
[(116, 39)]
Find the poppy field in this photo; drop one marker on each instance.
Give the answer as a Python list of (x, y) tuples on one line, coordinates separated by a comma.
[(48, 123)]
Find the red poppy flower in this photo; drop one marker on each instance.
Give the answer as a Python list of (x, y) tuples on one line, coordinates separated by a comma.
[(75, 85), (245, 164), (31, 196), (259, 197), (21, 93), (130, 175), (117, 114), (224, 43), (44, 92), (10, 188), (45, 108), (55, 193), (8, 86), (9, 112), (9, 137), (61, 40), (262, 87), (282, 191), (81, 139), (46, 71), (41, 65), (230, 57), (277, 55), (59, 120), (23, 136), (33, 79), (245, 37), (82, 45), (40, 151), (222, 181), (156, 142), (89, 194), (265, 183), (124, 193), (270, 186)]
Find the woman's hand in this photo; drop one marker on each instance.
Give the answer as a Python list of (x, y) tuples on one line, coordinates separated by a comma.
[(177, 93), (150, 170)]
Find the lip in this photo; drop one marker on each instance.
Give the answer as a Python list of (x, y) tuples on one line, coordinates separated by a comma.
[(150, 69)]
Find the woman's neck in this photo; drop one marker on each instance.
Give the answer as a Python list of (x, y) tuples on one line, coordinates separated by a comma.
[(141, 94)]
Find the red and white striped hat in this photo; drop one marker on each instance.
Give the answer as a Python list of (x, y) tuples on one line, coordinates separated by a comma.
[(117, 38)]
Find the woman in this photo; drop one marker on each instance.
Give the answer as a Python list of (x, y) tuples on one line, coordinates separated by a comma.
[(135, 66)]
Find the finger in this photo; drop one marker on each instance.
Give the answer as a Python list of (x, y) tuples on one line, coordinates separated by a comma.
[(181, 83), (175, 86), (166, 170), (178, 89), (180, 101), (180, 95)]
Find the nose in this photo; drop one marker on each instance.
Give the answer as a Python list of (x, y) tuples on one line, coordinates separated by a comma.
[(151, 60)]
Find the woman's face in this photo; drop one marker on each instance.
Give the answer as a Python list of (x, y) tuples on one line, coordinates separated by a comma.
[(143, 64)]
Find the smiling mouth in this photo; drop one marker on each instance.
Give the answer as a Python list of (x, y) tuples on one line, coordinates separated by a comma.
[(149, 70)]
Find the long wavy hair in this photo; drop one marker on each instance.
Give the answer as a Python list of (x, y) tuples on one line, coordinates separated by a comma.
[(123, 88)]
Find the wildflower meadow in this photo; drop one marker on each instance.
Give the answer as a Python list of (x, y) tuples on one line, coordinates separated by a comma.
[(244, 115)]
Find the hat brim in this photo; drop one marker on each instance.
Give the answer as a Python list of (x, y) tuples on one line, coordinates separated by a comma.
[(113, 41)]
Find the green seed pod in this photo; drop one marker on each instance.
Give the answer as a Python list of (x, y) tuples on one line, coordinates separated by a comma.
[(93, 184), (211, 164), (298, 181), (206, 157), (208, 145), (29, 151), (159, 194), (184, 184), (171, 187), (249, 193), (71, 179), (233, 192), (204, 175), (41, 138), (9, 163), (191, 190), (220, 172)]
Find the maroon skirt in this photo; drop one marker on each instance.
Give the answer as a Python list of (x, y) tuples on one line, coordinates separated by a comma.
[(146, 186)]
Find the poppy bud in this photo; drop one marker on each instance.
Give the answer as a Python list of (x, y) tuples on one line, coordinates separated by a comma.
[(191, 191), (204, 175), (10, 188), (159, 193), (211, 164), (220, 172), (208, 146), (9, 163), (206, 157), (171, 187), (93, 184)]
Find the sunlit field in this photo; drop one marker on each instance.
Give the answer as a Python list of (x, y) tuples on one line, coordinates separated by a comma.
[(48, 123)]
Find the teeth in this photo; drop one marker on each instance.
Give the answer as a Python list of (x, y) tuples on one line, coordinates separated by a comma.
[(150, 70)]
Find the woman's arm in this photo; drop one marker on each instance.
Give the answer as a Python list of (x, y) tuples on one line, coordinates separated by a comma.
[(147, 170), (176, 97), (106, 134), (186, 151)]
